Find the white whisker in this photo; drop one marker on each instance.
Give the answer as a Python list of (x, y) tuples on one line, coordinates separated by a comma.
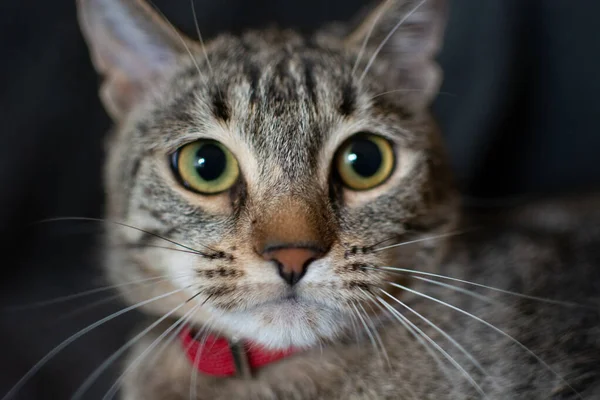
[(396, 91), (363, 46), (434, 237), (62, 299), (455, 288), (443, 333), (434, 344), (365, 326), (156, 246), (423, 343), (389, 35), (200, 38), (415, 334), (508, 292), (437, 347), (354, 322), (109, 299), (181, 39), (498, 330), (97, 303), (373, 335), (76, 336), (124, 225), (374, 328), (408, 91), (180, 322), (205, 332), (87, 383)]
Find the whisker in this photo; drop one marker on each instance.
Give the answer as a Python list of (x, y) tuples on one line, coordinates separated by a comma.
[(155, 246), (178, 331), (93, 305), (320, 343), (103, 301), (200, 37), (176, 31), (442, 332), (508, 292), (419, 339), (204, 331), (494, 328), (455, 288), (382, 241), (179, 323), (206, 323), (471, 293), (89, 381), (375, 333), (363, 47), (396, 236), (409, 91), (90, 219), (389, 35), (76, 336), (62, 299), (437, 347), (366, 327), (354, 322), (434, 237)]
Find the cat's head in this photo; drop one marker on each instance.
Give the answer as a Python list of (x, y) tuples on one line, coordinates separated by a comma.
[(287, 163)]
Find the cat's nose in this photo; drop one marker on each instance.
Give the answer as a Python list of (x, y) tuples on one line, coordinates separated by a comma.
[(292, 262)]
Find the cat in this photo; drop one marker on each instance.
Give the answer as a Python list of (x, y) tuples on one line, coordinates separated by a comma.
[(291, 194)]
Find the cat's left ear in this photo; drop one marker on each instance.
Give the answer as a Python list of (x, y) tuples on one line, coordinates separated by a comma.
[(404, 36), (131, 46)]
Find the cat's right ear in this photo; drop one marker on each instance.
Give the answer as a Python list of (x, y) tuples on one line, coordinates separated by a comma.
[(131, 46), (406, 34)]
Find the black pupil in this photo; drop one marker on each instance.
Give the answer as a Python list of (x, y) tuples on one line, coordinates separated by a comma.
[(210, 162), (365, 157)]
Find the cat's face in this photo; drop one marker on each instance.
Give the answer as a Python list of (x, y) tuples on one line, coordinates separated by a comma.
[(278, 159)]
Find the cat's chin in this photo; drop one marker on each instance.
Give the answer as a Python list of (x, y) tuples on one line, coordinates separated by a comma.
[(286, 323)]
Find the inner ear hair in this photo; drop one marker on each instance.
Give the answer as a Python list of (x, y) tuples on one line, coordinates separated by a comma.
[(405, 35), (131, 46)]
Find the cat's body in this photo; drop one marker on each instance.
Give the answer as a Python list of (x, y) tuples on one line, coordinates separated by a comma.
[(325, 164)]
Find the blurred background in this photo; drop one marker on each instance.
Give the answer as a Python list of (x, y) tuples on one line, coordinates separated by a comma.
[(519, 108)]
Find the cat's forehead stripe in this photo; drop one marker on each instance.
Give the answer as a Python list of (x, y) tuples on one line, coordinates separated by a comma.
[(283, 102), (220, 107), (309, 81), (292, 96), (348, 104)]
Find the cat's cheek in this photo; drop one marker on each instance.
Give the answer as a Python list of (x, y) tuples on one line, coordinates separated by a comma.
[(321, 284), (218, 204), (179, 268)]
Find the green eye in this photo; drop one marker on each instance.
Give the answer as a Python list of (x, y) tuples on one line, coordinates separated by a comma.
[(205, 166), (365, 161)]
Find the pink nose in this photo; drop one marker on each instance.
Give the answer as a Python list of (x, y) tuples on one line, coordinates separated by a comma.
[(292, 262)]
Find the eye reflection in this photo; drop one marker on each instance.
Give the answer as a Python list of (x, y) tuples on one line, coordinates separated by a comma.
[(205, 166), (365, 161)]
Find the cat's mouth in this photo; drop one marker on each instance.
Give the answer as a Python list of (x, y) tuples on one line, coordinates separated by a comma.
[(290, 320), (292, 300), (288, 302)]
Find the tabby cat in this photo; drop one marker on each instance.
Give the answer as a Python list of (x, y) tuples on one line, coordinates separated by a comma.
[(289, 196)]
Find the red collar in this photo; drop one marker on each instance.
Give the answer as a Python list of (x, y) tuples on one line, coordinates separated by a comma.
[(217, 357)]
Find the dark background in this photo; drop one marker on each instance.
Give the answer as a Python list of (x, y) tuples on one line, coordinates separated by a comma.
[(519, 109)]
